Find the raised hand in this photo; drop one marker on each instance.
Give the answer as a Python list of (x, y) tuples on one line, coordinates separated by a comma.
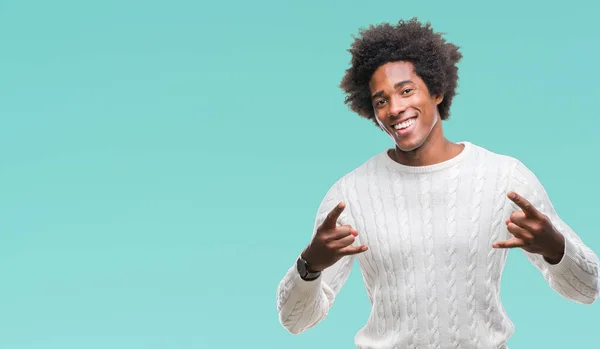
[(532, 231), (331, 242)]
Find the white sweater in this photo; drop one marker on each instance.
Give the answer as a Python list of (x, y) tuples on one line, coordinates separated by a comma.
[(431, 273)]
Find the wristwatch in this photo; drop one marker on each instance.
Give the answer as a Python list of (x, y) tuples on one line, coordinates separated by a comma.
[(305, 273)]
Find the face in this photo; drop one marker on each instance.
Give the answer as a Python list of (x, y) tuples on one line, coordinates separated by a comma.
[(402, 104)]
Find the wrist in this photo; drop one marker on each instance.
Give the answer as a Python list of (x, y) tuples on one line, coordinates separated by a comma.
[(556, 253), (305, 271), (308, 260)]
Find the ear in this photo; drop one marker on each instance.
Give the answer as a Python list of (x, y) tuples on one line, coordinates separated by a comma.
[(438, 99)]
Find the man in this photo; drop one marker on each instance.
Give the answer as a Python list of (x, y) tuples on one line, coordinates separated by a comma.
[(429, 221)]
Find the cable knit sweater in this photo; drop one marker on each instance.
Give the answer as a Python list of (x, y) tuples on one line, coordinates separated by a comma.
[(431, 274)]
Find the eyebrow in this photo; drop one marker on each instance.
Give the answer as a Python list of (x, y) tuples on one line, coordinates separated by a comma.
[(380, 93)]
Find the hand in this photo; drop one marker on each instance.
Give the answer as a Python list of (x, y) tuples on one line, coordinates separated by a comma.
[(533, 232), (331, 242)]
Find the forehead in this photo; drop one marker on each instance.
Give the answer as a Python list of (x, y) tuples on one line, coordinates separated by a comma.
[(392, 73)]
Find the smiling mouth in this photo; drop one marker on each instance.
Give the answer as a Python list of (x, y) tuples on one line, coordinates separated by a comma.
[(405, 124)]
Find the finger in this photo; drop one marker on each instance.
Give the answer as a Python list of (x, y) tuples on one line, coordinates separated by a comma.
[(352, 250), (340, 232), (510, 243), (533, 226), (343, 242), (524, 204), (518, 232), (519, 218), (330, 221)]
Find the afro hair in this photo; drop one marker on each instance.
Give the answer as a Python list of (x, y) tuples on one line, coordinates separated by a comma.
[(434, 59)]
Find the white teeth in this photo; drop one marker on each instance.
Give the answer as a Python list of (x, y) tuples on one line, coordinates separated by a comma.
[(404, 124)]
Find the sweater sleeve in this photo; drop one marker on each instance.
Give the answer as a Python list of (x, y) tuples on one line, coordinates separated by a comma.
[(303, 304), (575, 277)]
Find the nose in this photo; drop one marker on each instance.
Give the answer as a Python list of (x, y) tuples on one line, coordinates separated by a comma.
[(397, 106)]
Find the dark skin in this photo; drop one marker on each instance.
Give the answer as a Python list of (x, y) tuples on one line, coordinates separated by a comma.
[(331, 242), (399, 94), (533, 232), (401, 97)]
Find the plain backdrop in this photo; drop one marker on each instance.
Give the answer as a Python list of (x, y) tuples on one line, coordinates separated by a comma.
[(162, 161)]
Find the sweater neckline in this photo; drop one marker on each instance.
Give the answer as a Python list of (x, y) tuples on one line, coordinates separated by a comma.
[(428, 168)]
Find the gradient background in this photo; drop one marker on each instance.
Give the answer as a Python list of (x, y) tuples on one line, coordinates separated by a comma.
[(162, 161)]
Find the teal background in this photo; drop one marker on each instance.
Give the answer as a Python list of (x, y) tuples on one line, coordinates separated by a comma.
[(162, 162)]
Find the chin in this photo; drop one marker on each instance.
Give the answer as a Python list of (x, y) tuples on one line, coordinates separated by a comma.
[(409, 144), (408, 148)]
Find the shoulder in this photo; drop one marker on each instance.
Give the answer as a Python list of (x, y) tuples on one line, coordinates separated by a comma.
[(491, 158), (344, 187), (513, 167), (361, 171), (358, 174)]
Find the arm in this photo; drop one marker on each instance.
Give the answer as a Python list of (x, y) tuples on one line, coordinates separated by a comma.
[(303, 304), (573, 272)]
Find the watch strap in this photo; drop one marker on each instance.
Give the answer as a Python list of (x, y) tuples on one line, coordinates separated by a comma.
[(305, 273)]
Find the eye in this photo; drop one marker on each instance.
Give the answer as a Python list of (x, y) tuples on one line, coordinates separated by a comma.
[(379, 102), (406, 91)]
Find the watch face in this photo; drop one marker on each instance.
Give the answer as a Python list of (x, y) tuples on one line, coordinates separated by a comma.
[(302, 267)]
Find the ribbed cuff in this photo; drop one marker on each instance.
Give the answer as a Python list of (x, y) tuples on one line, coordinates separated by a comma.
[(307, 288), (567, 262)]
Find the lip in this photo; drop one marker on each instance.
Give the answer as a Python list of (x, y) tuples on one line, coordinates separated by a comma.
[(402, 120), (405, 130)]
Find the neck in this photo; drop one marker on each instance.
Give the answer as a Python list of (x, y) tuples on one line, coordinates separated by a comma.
[(434, 150)]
